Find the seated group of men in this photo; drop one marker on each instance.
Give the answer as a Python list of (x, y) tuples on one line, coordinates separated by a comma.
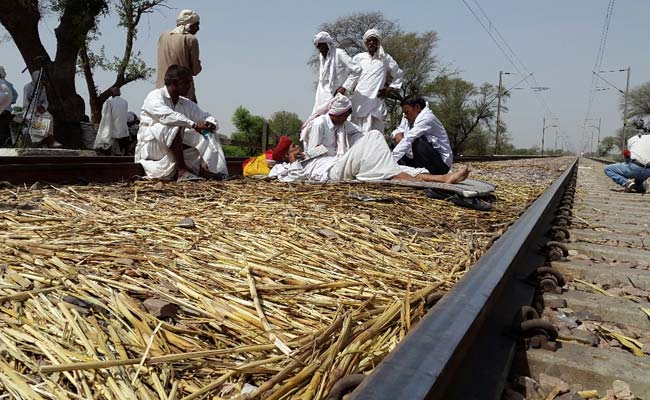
[(177, 139)]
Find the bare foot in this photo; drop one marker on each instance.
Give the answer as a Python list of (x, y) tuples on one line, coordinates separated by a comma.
[(458, 176)]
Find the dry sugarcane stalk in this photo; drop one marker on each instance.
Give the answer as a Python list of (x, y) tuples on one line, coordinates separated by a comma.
[(77, 266)]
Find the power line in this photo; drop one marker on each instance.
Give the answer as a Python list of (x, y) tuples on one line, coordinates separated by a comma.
[(599, 56), (519, 65)]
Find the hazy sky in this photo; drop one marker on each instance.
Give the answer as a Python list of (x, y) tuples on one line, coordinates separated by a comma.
[(254, 53)]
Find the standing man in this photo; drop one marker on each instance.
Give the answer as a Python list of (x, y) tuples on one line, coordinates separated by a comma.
[(337, 73), (115, 114), (176, 137), (180, 47), (369, 109), (422, 141), (634, 173), (8, 96)]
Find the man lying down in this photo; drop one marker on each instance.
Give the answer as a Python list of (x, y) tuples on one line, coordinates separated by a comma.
[(337, 150)]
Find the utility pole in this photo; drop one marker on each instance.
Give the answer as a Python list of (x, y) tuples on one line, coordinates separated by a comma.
[(627, 91), (555, 149), (600, 120), (543, 131), (496, 142)]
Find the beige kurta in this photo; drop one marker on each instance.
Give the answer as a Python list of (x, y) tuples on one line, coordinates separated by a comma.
[(180, 49)]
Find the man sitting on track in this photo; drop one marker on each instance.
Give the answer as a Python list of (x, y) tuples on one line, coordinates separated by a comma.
[(175, 135), (634, 174), (422, 141)]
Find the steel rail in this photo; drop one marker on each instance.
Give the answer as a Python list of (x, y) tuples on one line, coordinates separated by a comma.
[(20, 170), (464, 346)]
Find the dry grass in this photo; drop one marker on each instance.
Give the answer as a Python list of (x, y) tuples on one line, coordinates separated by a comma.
[(285, 287)]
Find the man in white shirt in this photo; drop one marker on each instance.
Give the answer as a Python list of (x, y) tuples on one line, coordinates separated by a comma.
[(113, 126), (369, 109), (337, 150), (422, 141), (634, 174), (175, 135), (337, 73)]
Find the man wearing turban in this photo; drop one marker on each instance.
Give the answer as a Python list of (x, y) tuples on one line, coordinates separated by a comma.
[(180, 47), (176, 137), (369, 109), (337, 72)]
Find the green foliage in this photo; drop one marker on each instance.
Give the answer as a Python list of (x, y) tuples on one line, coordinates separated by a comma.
[(638, 101), (607, 144), (249, 130), (467, 113), (284, 123), (234, 151)]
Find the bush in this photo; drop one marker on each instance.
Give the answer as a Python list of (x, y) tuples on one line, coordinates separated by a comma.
[(234, 151)]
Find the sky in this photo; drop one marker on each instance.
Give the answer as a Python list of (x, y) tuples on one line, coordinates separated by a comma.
[(254, 53)]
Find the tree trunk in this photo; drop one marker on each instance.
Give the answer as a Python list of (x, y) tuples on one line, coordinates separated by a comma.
[(21, 19)]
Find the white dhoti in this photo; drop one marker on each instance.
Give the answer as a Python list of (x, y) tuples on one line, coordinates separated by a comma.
[(369, 159), (153, 151), (369, 123)]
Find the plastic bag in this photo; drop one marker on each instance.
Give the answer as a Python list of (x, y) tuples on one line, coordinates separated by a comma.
[(41, 127)]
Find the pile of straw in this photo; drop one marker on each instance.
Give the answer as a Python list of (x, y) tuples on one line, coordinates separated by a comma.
[(280, 289)]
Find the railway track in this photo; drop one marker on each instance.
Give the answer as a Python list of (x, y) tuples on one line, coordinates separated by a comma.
[(82, 170), (558, 298)]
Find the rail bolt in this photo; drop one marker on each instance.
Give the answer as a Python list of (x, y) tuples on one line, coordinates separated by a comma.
[(550, 279), (559, 233), (556, 250), (434, 298), (345, 385), (562, 220), (536, 331)]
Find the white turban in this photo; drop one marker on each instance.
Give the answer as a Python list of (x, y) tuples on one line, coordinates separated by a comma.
[(372, 33), (341, 105), (376, 34), (323, 37), (3, 73), (184, 20)]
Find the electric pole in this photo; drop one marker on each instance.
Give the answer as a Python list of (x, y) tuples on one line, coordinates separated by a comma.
[(627, 90), (543, 132), (496, 142)]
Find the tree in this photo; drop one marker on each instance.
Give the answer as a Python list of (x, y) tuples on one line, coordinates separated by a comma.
[(467, 113), (348, 31), (76, 18), (130, 67), (607, 144), (284, 123), (249, 130), (638, 101)]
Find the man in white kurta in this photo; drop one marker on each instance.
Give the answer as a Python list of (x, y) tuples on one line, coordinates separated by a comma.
[(368, 106), (113, 126), (169, 141), (337, 72), (422, 140), (35, 107)]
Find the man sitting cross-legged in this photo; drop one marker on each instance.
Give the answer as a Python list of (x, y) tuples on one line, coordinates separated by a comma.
[(175, 135)]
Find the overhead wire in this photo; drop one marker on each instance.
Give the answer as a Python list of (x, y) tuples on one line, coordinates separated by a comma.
[(510, 54)]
